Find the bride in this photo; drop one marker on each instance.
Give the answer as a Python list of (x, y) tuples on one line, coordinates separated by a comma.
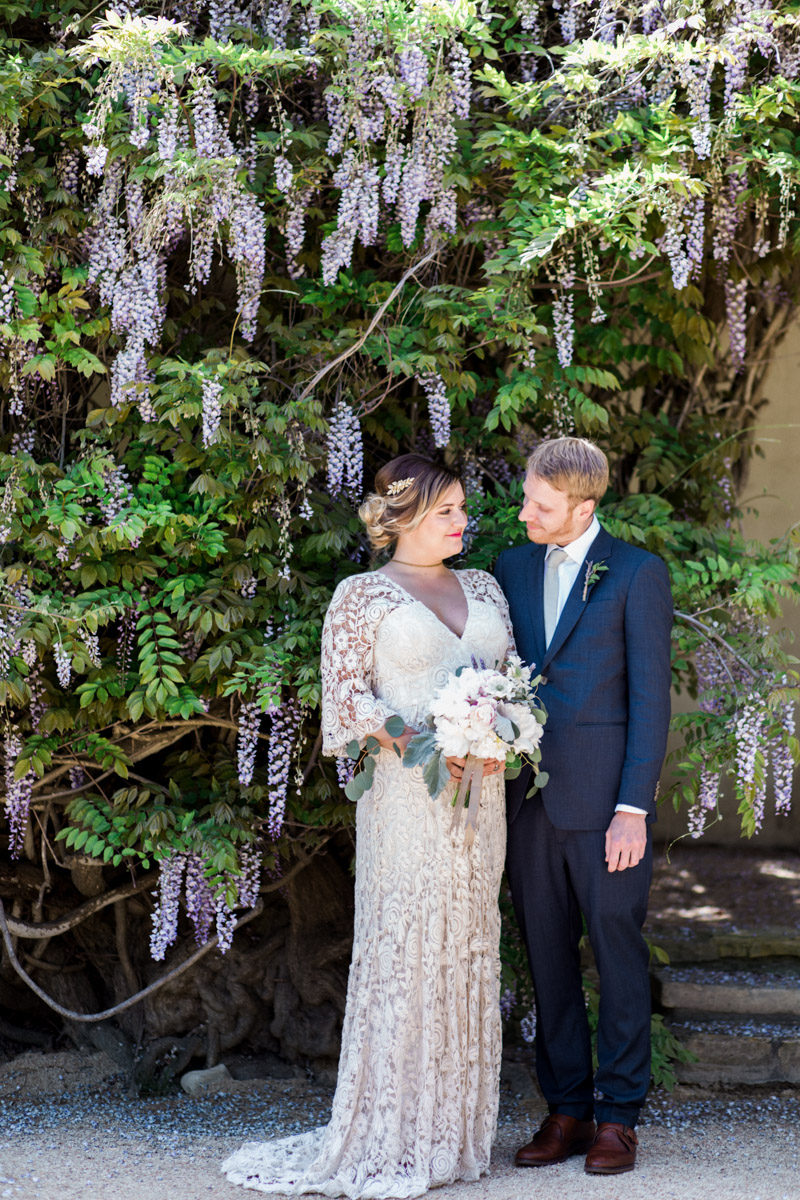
[(417, 1092)]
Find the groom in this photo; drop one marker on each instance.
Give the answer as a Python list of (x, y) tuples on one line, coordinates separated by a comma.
[(594, 615)]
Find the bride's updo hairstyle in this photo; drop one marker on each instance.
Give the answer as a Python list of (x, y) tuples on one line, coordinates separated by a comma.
[(406, 490)]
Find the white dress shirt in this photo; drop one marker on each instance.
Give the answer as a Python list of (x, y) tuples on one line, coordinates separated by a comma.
[(567, 572), (576, 552)]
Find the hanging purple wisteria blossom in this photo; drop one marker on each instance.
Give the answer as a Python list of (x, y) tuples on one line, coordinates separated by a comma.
[(295, 229), (212, 410), (750, 772), (283, 735), (695, 234), (247, 740), (672, 242), (77, 778), (413, 69), (7, 299), (569, 14), (200, 905), (165, 914), (527, 1027), (125, 638), (696, 78), (783, 761), (19, 792), (345, 768), (432, 384), (249, 882), (508, 1002), (707, 801), (606, 22), (736, 305), (226, 922), (63, 664), (564, 323), (345, 452), (116, 493)]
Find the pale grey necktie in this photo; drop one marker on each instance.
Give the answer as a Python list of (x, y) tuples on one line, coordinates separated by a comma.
[(554, 560)]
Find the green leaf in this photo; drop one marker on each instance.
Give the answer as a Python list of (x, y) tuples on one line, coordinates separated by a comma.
[(436, 774), (419, 749)]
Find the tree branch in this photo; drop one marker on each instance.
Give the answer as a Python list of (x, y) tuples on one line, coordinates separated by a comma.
[(712, 635), (33, 931), (70, 1014), (340, 358)]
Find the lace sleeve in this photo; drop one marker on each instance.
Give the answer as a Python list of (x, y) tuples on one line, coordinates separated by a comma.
[(350, 708), (486, 588)]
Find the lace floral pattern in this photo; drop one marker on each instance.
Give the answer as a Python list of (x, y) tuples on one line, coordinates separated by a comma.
[(417, 1090)]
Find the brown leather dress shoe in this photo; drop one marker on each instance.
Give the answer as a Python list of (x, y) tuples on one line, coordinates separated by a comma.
[(613, 1150), (558, 1137)]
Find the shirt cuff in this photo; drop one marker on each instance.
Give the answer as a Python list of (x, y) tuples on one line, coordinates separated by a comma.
[(629, 808)]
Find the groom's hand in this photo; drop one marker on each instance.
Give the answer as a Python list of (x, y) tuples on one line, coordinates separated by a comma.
[(626, 840)]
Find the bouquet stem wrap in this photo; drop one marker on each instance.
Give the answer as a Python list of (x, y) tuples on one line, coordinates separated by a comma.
[(472, 785)]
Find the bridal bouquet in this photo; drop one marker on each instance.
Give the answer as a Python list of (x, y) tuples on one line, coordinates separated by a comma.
[(480, 713)]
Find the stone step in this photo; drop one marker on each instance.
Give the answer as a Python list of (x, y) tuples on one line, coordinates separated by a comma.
[(731, 1051), (706, 946), (766, 988)]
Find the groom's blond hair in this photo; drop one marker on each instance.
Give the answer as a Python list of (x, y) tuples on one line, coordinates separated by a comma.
[(572, 465)]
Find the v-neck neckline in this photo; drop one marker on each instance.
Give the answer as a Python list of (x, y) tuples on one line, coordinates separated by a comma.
[(458, 636)]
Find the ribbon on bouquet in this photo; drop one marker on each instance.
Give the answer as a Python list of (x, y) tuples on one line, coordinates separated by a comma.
[(471, 783)]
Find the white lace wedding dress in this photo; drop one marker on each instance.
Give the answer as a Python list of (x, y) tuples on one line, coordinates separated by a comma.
[(417, 1092)]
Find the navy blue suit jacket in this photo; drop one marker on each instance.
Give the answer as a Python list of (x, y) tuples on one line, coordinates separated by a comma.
[(606, 683)]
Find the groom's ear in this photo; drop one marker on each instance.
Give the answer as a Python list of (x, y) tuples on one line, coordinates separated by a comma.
[(584, 509)]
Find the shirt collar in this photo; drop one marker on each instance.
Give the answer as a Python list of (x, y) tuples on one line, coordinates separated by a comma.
[(577, 550)]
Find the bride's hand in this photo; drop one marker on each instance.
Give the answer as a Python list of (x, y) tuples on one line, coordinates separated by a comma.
[(456, 767), (491, 766)]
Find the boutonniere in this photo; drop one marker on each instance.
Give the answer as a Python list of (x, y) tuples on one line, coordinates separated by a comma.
[(593, 572)]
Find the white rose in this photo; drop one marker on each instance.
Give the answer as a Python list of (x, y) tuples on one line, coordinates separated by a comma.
[(530, 731), (484, 714), (451, 739), (490, 746)]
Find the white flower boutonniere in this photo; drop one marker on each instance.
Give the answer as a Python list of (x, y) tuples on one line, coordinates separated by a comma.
[(593, 572)]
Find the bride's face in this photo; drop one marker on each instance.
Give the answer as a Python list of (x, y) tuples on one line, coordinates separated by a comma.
[(440, 532)]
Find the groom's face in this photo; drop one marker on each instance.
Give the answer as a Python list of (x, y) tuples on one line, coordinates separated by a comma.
[(550, 516)]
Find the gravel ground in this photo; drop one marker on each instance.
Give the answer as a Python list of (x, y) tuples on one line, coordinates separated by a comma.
[(699, 888), (102, 1145), (71, 1132), (779, 975)]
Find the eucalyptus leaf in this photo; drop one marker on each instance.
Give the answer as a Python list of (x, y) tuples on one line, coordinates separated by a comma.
[(355, 787), (395, 726)]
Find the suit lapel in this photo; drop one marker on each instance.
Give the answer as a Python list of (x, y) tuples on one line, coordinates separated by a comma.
[(599, 550), (535, 605)]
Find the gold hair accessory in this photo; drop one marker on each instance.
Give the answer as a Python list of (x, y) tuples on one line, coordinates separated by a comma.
[(400, 485)]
